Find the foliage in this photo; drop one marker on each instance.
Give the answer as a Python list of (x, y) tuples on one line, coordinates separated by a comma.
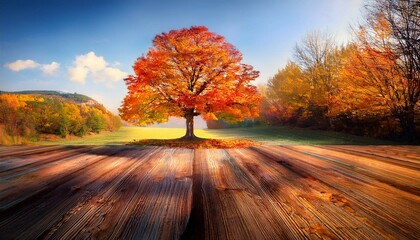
[(319, 60), (28, 116), (79, 98), (220, 123), (198, 143), (190, 72), (369, 87), (303, 92), (387, 58), (14, 119)]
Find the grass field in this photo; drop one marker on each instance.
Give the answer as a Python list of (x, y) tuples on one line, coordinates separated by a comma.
[(266, 135)]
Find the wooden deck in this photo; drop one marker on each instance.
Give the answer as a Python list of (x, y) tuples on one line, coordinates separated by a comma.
[(267, 192)]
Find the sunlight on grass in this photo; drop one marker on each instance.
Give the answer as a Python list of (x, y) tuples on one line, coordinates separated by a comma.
[(266, 135), (128, 134)]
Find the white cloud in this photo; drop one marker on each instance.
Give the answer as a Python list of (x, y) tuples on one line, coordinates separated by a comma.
[(78, 74), (114, 74), (91, 61), (51, 68), (91, 65), (20, 65)]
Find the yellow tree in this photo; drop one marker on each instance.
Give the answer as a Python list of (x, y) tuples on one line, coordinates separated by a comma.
[(190, 72), (288, 92), (319, 59)]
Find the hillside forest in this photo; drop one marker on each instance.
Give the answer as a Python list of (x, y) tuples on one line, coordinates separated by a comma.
[(25, 117)]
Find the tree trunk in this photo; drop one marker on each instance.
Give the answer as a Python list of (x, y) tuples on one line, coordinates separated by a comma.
[(189, 134)]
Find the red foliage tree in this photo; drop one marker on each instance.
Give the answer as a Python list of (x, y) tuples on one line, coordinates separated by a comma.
[(190, 72)]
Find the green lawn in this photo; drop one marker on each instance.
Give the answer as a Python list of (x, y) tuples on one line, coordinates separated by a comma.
[(294, 136), (122, 136), (267, 135)]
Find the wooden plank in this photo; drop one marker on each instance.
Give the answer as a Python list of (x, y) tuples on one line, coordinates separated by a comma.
[(19, 186), (14, 166), (285, 193), (383, 169), (64, 197), (231, 207), (8, 152), (388, 210), (128, 195), (162, 203), (405, 153), (266, 192)]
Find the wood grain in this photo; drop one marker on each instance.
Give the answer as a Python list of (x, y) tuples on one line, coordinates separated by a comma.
[(265, 192)]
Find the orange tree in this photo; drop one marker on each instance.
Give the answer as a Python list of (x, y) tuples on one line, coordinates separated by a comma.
[(190, 72), (387, 59)]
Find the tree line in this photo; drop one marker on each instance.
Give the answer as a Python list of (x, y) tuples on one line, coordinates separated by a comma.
[(369, 86), (28, 116)]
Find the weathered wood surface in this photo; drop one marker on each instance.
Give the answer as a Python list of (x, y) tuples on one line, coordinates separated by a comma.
[(267, 192)]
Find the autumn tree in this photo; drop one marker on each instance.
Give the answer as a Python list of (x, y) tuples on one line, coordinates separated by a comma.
[(13, 115), (355, 98), (288, 93), (318, 57), (25, 116), (387, 58), (190, 72)]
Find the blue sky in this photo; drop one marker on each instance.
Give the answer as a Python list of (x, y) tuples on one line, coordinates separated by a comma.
[(89, 46)]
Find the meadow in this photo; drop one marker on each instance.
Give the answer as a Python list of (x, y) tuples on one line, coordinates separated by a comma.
[(265, 135)]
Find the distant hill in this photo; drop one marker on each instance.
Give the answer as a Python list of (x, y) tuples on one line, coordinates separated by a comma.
[(79, 98), (27, 116)]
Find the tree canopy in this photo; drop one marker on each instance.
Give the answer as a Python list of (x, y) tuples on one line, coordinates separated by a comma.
[(190, 72)]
